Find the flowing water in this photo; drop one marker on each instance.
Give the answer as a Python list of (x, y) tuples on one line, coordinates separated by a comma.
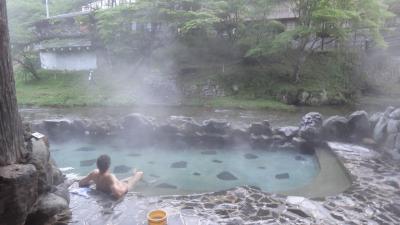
[(238, 117), (169, 171)]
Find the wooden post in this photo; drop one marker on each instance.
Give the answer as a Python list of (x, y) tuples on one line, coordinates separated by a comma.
[(11, 133)]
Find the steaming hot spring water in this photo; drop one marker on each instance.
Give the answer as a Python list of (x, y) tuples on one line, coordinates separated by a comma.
[(187, 171)]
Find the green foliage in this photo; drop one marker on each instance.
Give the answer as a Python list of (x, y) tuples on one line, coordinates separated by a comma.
[(245, 103), (21, 14), (57, 88)]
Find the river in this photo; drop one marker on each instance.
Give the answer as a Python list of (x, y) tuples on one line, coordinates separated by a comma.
[(238, 117)]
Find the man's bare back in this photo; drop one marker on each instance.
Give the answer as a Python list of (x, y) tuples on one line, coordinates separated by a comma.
[(107, 182)]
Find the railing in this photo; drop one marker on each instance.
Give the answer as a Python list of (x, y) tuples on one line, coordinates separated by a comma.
[(105, 4)]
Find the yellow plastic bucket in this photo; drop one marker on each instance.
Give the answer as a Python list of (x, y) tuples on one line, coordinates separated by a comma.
[(157, 217)]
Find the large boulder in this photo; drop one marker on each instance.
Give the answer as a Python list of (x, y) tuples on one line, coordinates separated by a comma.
[(79, 127), (263, 128), (186, 125), (58, 129), (57, 176), (213, 140), (390, 142), (393, 126), (137, 122), (373, 120), (239, 136), (18, 192), (395, 114), (335, 128), (48, 173), (40, 159), (261, 142), (310, 126), (48, 206), (214, 126), (138, 129), (388, 111), (397, 143), (101, 129), (359, 126), (287, 132), (379, 132)]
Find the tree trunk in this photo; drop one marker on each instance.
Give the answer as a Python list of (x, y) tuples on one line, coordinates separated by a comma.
[(11, 133), (298, 66)]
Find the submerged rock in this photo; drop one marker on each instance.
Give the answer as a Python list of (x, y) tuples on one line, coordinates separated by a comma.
[(196, 174), (250, 156), (210, 152), (282, 176), (225, 175), (134, 154), (90, 162), (179, 165), (261, 167), (122, 169), (217, 161), (167, 186), (86, 149), (300, 158), (154, 176)]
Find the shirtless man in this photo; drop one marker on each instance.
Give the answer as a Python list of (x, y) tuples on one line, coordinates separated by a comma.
[(107, 182)]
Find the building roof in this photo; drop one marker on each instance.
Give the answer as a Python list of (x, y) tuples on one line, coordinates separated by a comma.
[(62, 16), (64, 43)]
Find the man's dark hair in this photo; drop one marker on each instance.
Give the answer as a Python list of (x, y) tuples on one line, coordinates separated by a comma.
[(103, 163)]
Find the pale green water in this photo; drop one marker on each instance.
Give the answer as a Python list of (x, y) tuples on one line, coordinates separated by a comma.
[(156, 164)]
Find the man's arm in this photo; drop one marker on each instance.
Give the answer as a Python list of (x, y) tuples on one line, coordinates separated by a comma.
[(86, 181)]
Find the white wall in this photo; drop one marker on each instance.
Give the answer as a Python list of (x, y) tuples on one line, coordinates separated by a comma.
[(68, 61)]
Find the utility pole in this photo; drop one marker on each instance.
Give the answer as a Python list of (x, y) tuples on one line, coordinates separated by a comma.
[(47, 9)]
